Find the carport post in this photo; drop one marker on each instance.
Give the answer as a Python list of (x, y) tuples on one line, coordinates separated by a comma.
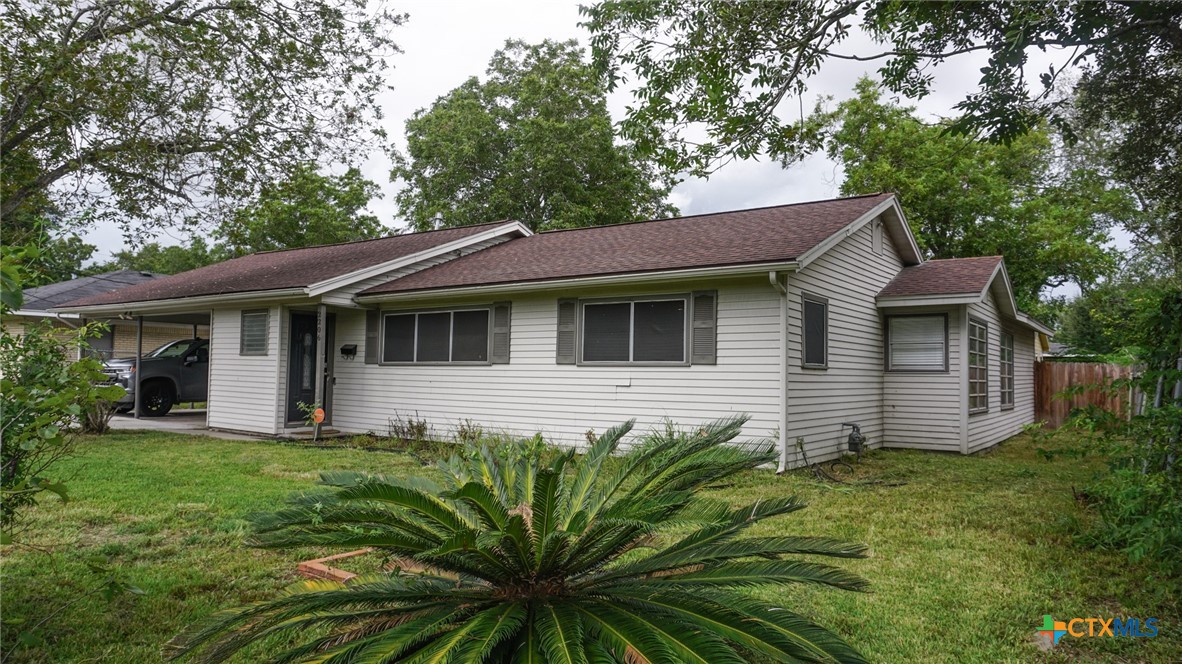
[(139, 352), (194, 330)]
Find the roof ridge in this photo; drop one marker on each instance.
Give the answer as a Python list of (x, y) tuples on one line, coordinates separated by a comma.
[(711, 214), (375, 239)]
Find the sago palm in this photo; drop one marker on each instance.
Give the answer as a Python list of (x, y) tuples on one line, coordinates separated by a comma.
[(598, 558)]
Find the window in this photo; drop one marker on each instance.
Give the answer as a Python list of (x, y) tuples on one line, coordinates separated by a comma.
[(436, 336), (978, 367), (917, 343), (254, 332), (1007, 370), (815, 335), (635, 331)]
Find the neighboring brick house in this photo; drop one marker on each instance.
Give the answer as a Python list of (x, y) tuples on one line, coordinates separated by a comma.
[(805, 317), (120, 339)]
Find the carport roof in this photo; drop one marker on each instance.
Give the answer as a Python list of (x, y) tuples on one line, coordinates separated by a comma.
[(282, 269)]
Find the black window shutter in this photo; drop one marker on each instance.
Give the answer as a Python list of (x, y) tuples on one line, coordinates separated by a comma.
[(500, 332), (705, 331), (568, 316), (373, 324)]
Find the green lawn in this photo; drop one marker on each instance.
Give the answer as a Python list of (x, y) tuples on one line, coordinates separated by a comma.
[(968, 553)]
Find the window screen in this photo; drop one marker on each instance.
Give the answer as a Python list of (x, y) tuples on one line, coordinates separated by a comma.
[(398, 344), (469, 341), (917, 343), (978, 367), (254, 332), (433, 343), (816, 323), (1007, 370), (659, 331), (637, 331), (437, 336), (606, 332)]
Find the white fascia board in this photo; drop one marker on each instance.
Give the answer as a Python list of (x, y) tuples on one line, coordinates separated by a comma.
[(322, 287), (185, 304), (1010, 302), (1034, 325), (927, 300), (892, 205), (605, 280)]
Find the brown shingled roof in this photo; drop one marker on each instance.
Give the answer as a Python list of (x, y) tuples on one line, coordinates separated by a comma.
[(285, 268), (763, 235), (948, 276)]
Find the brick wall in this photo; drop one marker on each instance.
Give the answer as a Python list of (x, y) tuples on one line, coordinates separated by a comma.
[(154, 335)]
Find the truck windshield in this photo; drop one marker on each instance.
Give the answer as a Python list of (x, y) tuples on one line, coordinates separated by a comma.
[(171, 349)]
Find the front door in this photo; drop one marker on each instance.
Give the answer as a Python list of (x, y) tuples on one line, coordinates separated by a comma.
[(301, 365)]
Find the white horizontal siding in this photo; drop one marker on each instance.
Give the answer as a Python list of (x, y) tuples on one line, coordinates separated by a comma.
[(992, 427), (243, 389), (534, 394), (849, 276), (922, 410)]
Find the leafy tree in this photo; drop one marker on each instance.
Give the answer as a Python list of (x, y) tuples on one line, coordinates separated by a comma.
[(1115, 316), (966, 198), (150, 110), (533, 142), (154, 257), (734, 87), (303, 209), (516, 559)]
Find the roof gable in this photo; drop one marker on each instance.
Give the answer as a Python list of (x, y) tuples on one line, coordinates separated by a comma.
[(777, 234), (322, 267)]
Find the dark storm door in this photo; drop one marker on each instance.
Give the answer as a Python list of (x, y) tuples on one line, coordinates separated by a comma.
[(301, 365)]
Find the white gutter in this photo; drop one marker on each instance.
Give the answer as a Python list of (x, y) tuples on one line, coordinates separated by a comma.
[(176, 305), (611, 279), (38, 313), (774, 279)]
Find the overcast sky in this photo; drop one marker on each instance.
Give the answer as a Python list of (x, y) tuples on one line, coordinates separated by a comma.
[(445, 42)]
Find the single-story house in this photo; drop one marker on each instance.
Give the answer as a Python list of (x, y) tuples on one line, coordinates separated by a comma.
[(120, 338), (804, 316)]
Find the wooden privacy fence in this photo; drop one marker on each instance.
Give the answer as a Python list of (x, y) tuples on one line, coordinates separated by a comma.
[(1051, 378)]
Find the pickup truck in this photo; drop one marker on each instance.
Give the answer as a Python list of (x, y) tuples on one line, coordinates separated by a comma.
[(174, 373)]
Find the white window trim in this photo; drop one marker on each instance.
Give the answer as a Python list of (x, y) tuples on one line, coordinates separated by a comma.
[(687, 338), (984, 382), (887, 360), (451, 337), (1006, 381), (804, 363)]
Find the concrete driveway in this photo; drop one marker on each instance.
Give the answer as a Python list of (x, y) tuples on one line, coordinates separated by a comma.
[(183, 421)]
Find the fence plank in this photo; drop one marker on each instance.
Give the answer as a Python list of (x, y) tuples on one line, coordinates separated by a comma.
[(1052, 378)]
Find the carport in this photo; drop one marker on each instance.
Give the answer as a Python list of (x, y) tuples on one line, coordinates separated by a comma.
[(195, 319)]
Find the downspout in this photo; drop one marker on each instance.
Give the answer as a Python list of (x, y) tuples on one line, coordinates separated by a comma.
[(774, 279)]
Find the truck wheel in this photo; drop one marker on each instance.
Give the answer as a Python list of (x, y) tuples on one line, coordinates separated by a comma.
[(156, 400)]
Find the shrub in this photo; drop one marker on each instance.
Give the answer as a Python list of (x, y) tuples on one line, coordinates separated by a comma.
[(46, 396), (579, 559)]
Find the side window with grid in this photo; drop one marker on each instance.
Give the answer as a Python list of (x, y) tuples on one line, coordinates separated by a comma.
[(978, 367), (1007, 370)]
